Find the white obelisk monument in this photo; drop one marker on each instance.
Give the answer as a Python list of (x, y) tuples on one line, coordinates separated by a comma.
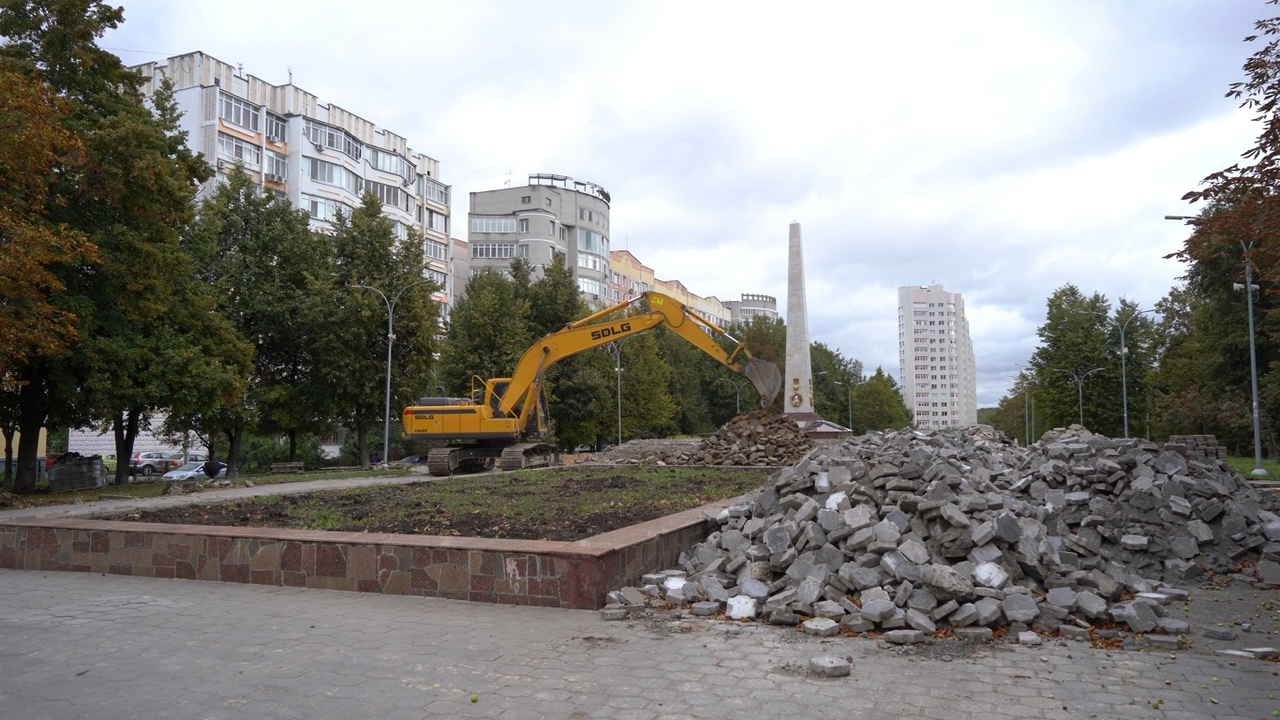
[(797, 386)]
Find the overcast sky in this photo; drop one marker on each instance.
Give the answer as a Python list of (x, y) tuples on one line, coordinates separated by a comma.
[(1003, 149)]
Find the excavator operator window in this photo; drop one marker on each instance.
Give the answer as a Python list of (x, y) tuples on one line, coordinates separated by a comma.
[(495, 395)]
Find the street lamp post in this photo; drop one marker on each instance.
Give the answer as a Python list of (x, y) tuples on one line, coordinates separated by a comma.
[(849, 386), (391, 337), (1124, 384), (616, 348), (737, 391), (1249, 287), (1079, 387)]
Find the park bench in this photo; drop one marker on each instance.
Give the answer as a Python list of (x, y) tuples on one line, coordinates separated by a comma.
[(286, 467)]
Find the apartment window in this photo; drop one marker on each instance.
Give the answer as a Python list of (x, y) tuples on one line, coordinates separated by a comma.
[(564, 234), (524, 225), (277, 165), (493, 224), (326, 209), (553, 228), (275, 127), (590, 286), (332, 137), (437, 250), (435, 275), (523, 250), (492, 250), (237, 111), (548, 202), (438, 221), (234, 148), (526, 199), (392, 163), (433, 190), (592, 242), (332, 174), (389, 194)]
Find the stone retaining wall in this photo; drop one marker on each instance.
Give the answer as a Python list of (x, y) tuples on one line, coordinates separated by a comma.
[(512, 572)]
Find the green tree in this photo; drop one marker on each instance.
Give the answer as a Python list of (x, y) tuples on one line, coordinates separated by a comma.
[(131, 201), (647, 408), (259, 257), (578, 388), (1074, 354), (365, 252), (488, 331), (878, 404)]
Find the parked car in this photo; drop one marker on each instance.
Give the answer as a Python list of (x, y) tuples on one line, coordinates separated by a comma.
[(194, 471), (152, 463), (109, 461)]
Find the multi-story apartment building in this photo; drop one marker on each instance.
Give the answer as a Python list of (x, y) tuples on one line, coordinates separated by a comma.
[(935, 358), (751, 305), (552, 215), (321, 157)]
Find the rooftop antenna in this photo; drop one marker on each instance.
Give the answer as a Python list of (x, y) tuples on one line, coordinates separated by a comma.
[(507, 183), (239, 69), (290, 73)]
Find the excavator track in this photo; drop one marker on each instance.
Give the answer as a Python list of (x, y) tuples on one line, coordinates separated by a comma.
[(527, 455), (438, 461), (459, 459)]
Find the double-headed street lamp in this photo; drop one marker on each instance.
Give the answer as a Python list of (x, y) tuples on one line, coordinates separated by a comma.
[(1248, 288), (391, 337), (850, 387), (1124, 382), (737, 391), (1079, 386)]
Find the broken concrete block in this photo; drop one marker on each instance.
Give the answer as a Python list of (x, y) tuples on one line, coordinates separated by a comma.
[(904, 637), (945, 583), (821, 627), (878, 611), (742, 607), (829, 666), (1020, 608)]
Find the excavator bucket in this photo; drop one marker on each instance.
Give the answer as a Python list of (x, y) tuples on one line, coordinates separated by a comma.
[(766, 377)]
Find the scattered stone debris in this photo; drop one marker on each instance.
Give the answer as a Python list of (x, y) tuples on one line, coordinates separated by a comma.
[(959, 532), (754, 439)]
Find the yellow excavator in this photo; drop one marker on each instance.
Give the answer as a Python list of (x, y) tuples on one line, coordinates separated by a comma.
[(510, 427)]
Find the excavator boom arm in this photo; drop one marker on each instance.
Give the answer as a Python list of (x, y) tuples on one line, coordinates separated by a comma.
[(595, 330)]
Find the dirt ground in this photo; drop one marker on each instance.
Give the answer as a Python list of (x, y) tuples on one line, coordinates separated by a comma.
[(560, 504)]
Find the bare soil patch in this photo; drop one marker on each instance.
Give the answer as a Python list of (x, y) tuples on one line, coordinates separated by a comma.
[(563, 504)]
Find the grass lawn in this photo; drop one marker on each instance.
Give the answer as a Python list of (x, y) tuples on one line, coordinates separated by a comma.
[(1245, 466)]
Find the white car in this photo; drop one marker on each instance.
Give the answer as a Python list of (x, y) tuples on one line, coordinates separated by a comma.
[(194, 471)]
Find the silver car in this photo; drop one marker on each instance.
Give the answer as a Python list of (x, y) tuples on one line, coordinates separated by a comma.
[(194, 471)]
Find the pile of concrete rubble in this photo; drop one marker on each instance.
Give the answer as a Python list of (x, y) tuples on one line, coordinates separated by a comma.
[(757, 438), (912, 532)]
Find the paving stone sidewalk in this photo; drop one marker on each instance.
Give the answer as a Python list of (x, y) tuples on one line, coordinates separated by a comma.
[(75, 645), (99, 507)]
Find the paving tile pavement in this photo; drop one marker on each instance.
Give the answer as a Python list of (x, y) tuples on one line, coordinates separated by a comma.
[(101, 507), (75, 645)]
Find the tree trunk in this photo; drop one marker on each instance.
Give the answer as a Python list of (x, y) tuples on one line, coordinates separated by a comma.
[(362, 442), (8, 455), (233, 451), (125, 429), (293, 445), (33, 409)]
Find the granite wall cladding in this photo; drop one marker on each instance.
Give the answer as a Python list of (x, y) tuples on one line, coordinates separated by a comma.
[(512, 572)]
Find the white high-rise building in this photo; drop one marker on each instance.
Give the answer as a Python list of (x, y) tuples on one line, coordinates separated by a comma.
[(935, 358)]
